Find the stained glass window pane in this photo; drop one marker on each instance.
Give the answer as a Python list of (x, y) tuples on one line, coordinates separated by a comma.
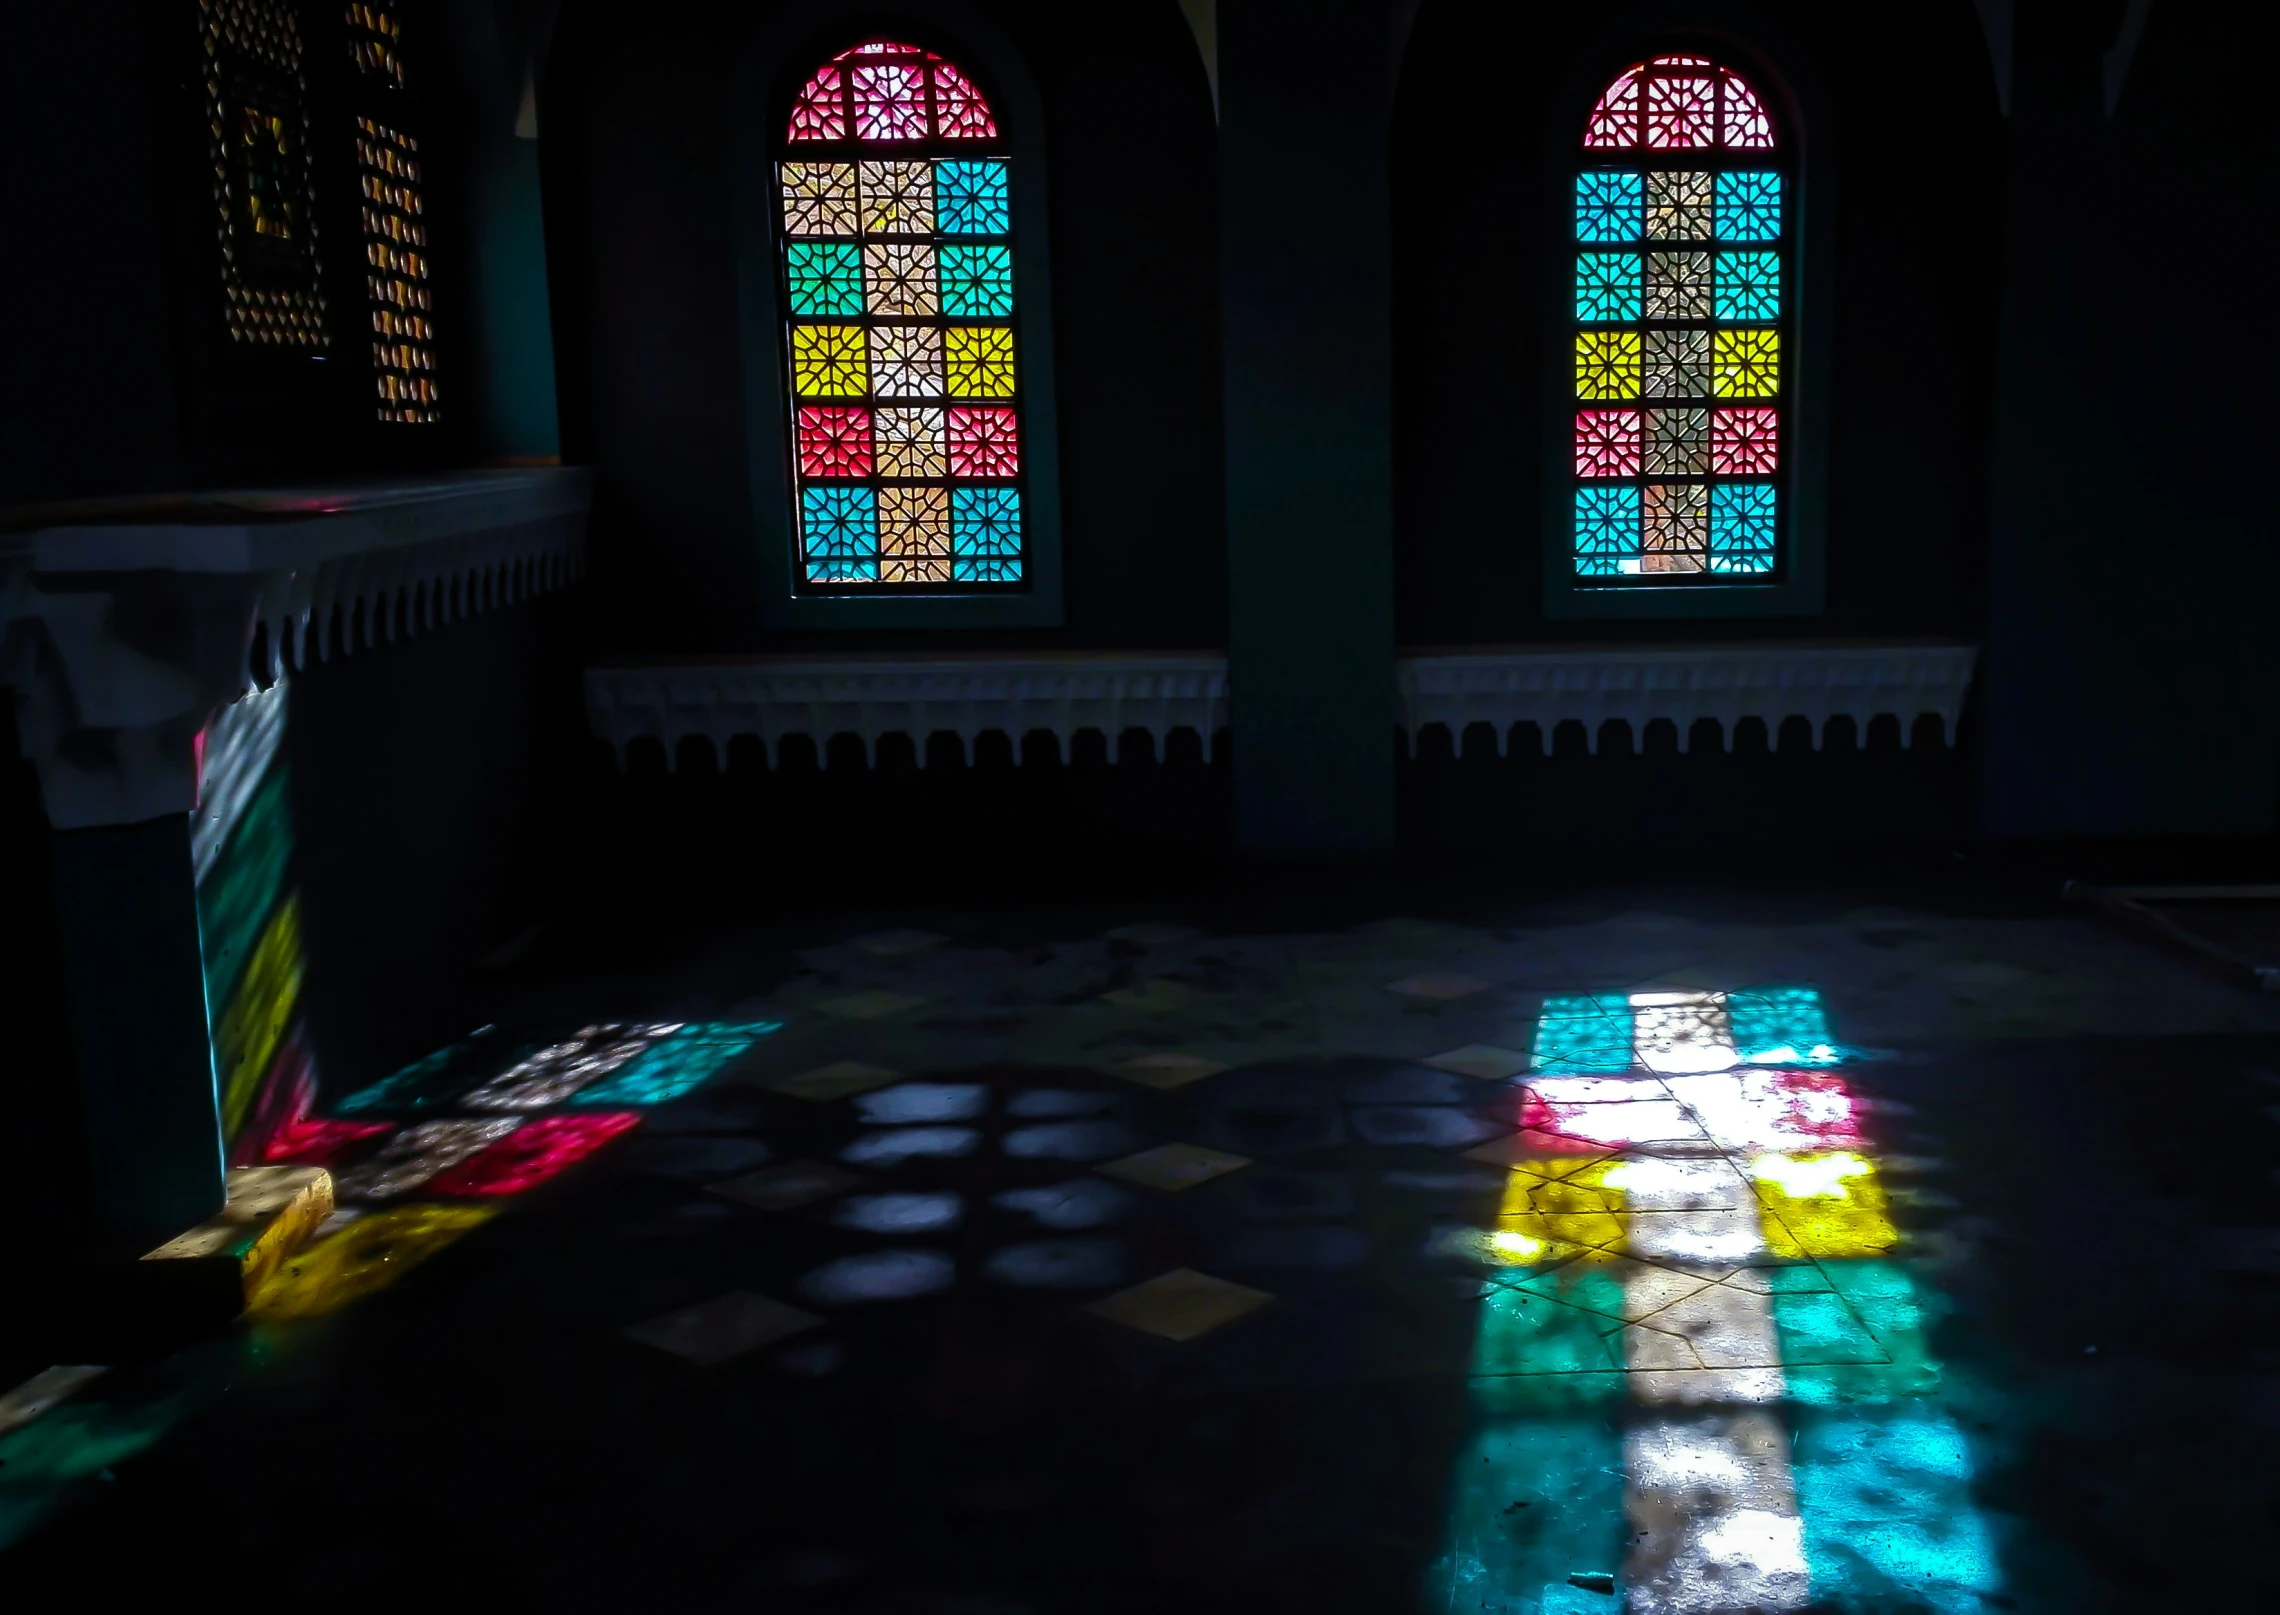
[(1607, 207), (896, 247), (1678, 341), (1607, 287)]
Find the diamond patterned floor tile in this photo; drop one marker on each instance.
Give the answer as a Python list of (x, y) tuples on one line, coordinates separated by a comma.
[(726, 1326), (1168, 1071), (783, 1188), (1438, 987), (870, 1006), (1173, 1167), (1158, 995), (889, 944), (1484, 1061), (835, 1081), (1154, 934), (1180, 1305)]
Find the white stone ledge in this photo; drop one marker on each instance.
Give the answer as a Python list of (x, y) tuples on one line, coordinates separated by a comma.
[(1064, 693), (819, 697), (1724, 683), (130, 622)]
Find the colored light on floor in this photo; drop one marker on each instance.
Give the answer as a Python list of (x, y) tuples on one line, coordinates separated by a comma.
[(533, 1153), (369, 1254), (1823, 1206), (319, 1140), (683, 1061)]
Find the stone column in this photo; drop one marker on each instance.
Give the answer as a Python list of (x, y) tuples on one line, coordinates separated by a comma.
[(1306, 96)]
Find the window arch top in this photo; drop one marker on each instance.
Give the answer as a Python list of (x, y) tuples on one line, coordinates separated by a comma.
[(1679, 103), (883, 92)]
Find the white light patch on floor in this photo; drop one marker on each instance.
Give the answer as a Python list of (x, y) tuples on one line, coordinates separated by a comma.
[(1712, 1506)]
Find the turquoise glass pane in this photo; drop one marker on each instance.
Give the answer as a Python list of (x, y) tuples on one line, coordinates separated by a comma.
[(1889, 1521), (977, 282), (1606, 287), (970, 199), (985, 522), (1749, 286), (824, 277), (1749, 206), (1587, 1033), (1781, 1026), (840, 524), (986, 569), (1610, 207), (1606, 522), (1742, 527), (676, 1064)]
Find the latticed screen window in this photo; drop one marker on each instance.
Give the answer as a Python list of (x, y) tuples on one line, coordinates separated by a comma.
[(393, 210), (1683, 271), (257, 121), (896, 250)]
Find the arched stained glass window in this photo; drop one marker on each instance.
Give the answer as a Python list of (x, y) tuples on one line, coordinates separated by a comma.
[(1684, 287), (901, 348)]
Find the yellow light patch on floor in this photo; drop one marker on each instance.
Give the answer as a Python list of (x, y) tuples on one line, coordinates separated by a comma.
[(1180, 1305), (1823, 1206), (1556, 1211), (270, 1212), (369, 1254)]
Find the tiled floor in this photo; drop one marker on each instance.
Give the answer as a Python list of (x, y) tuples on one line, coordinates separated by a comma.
[(1489, 1256)]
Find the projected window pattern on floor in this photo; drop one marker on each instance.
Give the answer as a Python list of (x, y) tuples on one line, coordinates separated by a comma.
[(896, 258), (1683, 270), (1695, 1338)]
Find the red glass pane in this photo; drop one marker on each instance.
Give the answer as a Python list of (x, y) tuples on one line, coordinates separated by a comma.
[(960, 113), (890, 101), (883, 47), (1744, 126), (1682, 113), (820, 113), (533, 1153), (1607, 443), (834, 441), (1614, 122), (1680, 61), (1745, 442), (984, 443)]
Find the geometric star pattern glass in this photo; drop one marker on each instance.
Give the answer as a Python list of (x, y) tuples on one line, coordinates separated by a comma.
[(393, 208), (1682, 233), (896, 250)]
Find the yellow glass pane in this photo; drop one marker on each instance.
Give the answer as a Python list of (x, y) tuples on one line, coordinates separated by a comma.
[(1556, 1211), (1607, 364), (819, 199), (1824, 1206), (981, 361), (1745, 364), (827, 361)]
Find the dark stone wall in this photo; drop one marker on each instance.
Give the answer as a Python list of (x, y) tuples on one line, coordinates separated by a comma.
[(2132, 679), (435, 816), (640, 211), (1916, 169)]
